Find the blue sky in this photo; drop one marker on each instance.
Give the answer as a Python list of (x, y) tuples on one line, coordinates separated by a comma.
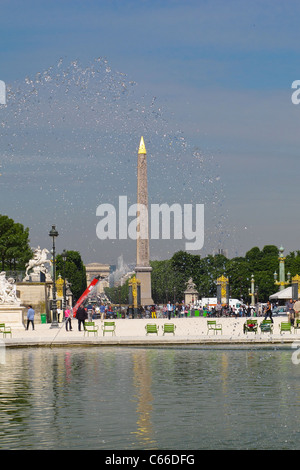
[(220, 74)]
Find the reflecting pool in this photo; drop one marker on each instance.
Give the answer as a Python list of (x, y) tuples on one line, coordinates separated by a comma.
[(149, 398)]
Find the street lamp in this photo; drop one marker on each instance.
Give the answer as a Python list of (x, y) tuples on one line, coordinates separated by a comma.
[(64, 257), (282, 282), (252, 291), (53, 233)]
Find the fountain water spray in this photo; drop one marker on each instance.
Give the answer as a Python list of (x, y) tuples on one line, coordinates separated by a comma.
[(68, 138)]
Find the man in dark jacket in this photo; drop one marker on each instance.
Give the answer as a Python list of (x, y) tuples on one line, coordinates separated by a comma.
[(81, 316), (290, 311)]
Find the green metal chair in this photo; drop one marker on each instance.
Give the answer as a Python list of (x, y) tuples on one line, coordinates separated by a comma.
[(90, 327), (5, 330), (285, 326), (266, 326), (250, 325)]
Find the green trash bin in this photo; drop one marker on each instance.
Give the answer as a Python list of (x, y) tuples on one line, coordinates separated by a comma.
[(197, 313), (43, 318)]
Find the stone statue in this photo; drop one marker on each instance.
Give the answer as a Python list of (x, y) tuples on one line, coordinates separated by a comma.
[(37, 264), (8, 290), (190, 294), (191, 285)]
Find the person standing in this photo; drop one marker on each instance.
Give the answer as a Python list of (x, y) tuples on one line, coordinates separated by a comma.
[(90, 312), (30, 317), (290, 311), (297, 309), (102, 311), (58, 314), (153, 311), (186, 311), (68, 319), (218, 309), (170, 310), (81, 316), (268, 311)]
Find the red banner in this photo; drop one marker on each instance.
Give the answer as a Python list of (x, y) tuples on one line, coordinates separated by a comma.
[(85, 294)]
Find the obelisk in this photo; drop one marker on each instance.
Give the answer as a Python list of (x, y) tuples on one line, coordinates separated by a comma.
[(143, 268)]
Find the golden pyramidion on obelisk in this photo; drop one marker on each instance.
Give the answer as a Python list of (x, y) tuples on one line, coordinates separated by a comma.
[(143, 268), (142, 147)]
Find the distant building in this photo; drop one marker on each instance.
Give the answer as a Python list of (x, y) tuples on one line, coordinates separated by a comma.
[(221, 251), (98, 269), (124, 278)]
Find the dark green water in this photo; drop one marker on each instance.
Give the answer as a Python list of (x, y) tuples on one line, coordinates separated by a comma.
[(126, 398)]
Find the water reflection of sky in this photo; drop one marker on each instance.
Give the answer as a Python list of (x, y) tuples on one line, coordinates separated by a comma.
[(124, 398)]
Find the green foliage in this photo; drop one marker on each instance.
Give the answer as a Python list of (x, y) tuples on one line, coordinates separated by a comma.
[(169, 277), (75, 272), (292, 263), (118, 295), (164, 282), (15, 251)]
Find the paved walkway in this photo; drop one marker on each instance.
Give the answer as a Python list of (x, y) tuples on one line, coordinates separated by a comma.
[(188, 331)]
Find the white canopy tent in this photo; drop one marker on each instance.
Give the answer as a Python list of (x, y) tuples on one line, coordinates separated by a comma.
[(282, 294)]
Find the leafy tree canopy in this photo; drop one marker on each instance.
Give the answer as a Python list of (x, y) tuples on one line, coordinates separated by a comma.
[(15, 251), (75, 272), (118, 295), (169, 277)]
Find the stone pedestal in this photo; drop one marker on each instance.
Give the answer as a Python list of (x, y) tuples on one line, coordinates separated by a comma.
[(143, 274), (35, 294), (12, 315)]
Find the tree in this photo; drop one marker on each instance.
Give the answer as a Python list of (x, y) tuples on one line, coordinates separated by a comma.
[(75, 272), (118, 295), (172, 275), (239, 275), (165, 282), (15, 251)]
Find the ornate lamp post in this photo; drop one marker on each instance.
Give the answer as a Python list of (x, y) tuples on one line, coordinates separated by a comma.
[(252, 291), (53, 234), (223, 290), (134, 296), (282, 282), (296, 287)]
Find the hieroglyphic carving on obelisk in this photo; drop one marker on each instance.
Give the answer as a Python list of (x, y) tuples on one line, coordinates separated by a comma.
[(143, 268)]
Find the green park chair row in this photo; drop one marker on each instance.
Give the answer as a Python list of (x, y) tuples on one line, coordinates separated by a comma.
[(213, 326), (110, 327), (166, 328), (266, 326), (251, 325), (107, 327)]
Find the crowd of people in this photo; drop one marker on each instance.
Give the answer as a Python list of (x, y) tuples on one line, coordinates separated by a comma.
[(169, 310), (180, 310), (177, 310)]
